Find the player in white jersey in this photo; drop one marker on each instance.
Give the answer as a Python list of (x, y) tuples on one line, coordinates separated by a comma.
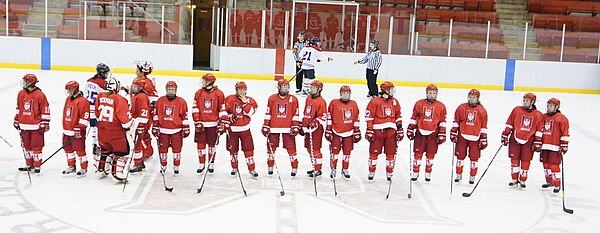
[(310, 55), (93, 87)]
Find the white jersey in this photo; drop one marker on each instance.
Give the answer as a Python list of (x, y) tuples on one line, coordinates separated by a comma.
[(91, 90), (310, 56)]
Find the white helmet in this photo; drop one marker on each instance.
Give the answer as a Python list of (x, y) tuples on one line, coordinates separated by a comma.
[(144, 66), (113, 84)]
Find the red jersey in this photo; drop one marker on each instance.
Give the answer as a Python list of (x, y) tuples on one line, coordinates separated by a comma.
[(428, 117), (242, 111), (76, 113), (383, 114), (279, 21), (282, 113), (332, 25), (524, 124), (343, 117), (32, 107), (207, 106), (171, 114), (112, 112), (470, 121), (315, 108), (140, 109), (93, 87), (151, 90), (555, 131)]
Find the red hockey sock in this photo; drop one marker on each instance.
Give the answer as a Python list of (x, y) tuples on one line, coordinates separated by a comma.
[(234, 160), (250, 160), (459, 166), (514, 167), (293, 158), (389, 165), (176, 159), (524, 170), (346, 161), (70, 159), (201, 154), (473, 168), (318, 160), (372, 162), (417, 162), (163, 159), (82, 160), (547, 173), (333, 161), (556, 175), (137, 158)]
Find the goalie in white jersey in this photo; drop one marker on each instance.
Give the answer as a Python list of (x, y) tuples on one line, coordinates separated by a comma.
[(93, 87), (310, 55)]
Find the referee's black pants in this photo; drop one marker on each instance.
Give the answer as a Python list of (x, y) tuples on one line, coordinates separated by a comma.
[(299, 77), (372, 82)]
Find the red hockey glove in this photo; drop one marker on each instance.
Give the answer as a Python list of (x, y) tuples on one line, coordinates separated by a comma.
[(232, 118), (399, 134), (370, 135), (441, 138), (537, 144), (155, 130), (223, 126), (328, 135), (313, 124), (410, 132), (16, 124), (140, 130), (185, 129), (266, 130), (483, 142), (454, 135), (295, 130), (78, 133), (564, 147), (199, 127), (45, 125), (505, 135), (357, 136)]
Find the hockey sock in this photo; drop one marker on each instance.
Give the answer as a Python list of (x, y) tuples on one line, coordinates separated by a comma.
[(372, 162), (514, 166), (249, 160), (473, 168), (234, 160), (417, 162), (524, 170), (459, 166), (346, 161)]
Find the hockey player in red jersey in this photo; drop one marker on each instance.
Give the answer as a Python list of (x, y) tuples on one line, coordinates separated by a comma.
[(428, 128), (523, 136), (144, 68), (282, 121), (114, 120), (555, 143), (170, 126), (469, 133), (342, 129), (76, 117), (208, 101), (238, 110), (384, 128), (93, 87), (32, 120), (313, 126), (141, 113)]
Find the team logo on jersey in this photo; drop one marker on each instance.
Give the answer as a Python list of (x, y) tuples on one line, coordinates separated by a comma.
[(169, 112), (208, 105), (471, 117), (281, 110), (308, 109), (238, 109), (68, 113), (526, 123), (387, 111), (548, 127), (428, 112), (27, 107)]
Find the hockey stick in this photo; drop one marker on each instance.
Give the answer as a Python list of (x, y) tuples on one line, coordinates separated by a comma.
[(282, 192), (562, 164), (167, 188), (334, 167), (25, 157), (411, 169), (293, 77), (238, 168), (390, 185), (135, 137), (486, 169), (7, 143), (63, 146), (452, 168), (210, 158), (314, 161)]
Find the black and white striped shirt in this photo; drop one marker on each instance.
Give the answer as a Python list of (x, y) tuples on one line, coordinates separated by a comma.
[(299, 46), (373, 58)]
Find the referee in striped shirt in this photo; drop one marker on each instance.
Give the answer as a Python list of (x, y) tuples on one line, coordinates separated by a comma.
[(373, 60), (298, 46)]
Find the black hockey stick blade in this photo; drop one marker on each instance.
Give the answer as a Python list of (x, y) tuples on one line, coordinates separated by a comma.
[(568, 211), (282, 193), (169, 189), (466, 194), (409, 196)]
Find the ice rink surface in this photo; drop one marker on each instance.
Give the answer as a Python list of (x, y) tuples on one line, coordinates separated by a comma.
[(68, 204)]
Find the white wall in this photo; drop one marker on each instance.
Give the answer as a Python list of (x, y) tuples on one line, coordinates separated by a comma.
[(21, 50), (246, 60), (66, 52), (557, 75)]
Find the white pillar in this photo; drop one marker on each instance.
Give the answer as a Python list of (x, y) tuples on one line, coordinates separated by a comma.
[(562, 42), (227, 29), (292, 28), (213, 25), (262, 28), (356, 31), (124, 17), (487, 41), (390, 37), (85, 20), (285, 33), (45, 18), (192, 26), (162, 24), (378, 15), (6, 13), (450, 38), (525, 40), (368, 38)]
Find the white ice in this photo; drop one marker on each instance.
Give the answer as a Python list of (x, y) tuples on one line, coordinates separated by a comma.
[(69, 204)]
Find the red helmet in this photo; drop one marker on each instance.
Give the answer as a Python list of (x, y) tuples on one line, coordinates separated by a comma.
[(345, 88), (554, 101), (475, 92), (171, 84), (431, 87), (317, 83), (282, 82), (209, 77), (386, 86), (139, 82), (530, 96), (72, 85), (30, 78), (240, 85)]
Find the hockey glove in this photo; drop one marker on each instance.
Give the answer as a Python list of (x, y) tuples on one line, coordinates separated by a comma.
[(537, 144), (505, 138), (454, 135), (155, 130), (313, 124), (301, 131), (16, 124), (328, 135), (410, 132), (185, 131), (441, 138), (199, 127), (483, 142), (295, 130), (93, 122), (266, 130), (357, 136), (44, 125), (78, 133), (399, 134), (370, 135), (564, 147)]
